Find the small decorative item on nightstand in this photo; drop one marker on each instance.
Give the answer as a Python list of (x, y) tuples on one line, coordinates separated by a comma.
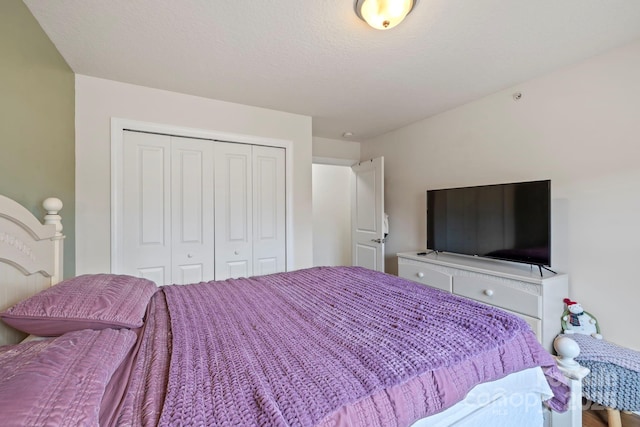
[(577, 321)]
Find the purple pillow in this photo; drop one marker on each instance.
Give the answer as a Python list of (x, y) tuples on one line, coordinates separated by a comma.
[(91, 301), (60, 381)]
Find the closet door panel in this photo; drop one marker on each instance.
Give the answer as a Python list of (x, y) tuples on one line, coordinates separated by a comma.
[(192, 214), (236, 186), (146, 207), (269, 240), (235, 269), (233, 209), (158, 275)]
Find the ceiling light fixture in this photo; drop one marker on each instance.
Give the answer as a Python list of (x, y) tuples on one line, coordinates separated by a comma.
[(384, 14)]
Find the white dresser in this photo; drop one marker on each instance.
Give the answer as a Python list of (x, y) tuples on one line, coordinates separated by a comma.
[(517, 288)]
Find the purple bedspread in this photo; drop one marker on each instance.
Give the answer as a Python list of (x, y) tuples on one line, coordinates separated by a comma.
[(60, 382), (296, 349)]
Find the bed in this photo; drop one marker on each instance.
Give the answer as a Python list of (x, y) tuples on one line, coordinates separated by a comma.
[(332, 346)]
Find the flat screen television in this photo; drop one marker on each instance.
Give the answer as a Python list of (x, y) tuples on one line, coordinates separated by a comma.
[(510, 222)]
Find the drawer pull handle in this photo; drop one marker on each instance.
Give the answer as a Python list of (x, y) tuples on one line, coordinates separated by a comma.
[(488, 292), (420, 275)]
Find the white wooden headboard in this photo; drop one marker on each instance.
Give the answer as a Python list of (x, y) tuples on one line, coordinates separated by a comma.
[(30, 255)]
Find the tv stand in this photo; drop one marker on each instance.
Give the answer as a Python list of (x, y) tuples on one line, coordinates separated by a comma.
[(517, 288), (427, 253), (540, 267)]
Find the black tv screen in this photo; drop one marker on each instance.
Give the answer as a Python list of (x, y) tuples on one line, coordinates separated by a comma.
[(504, 221)]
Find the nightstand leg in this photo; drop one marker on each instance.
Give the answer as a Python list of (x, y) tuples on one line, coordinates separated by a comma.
[(613, 416)]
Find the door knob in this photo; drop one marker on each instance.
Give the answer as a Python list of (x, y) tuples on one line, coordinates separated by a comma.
[(421, 275), (378, 240), (189, 255), (236, 252)]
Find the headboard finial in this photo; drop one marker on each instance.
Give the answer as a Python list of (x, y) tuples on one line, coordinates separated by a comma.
[(53, 205)]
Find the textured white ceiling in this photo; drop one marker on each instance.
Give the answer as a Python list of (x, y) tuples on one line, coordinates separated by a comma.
[(316, 58)]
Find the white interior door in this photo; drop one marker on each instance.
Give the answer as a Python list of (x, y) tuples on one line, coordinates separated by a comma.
[(233, 211), (192, 189), (146, 237), (367, 214), (269, 238)]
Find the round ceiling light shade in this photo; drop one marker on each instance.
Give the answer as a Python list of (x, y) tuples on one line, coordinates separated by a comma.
[(384, 14)]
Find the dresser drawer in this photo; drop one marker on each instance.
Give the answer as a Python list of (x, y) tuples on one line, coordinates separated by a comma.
[(500, 295), (426, 276)]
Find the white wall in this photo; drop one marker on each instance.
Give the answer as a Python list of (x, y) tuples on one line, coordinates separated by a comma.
[(335, 151), (579, 127), (331, 215), (98, 100), (332, 159)]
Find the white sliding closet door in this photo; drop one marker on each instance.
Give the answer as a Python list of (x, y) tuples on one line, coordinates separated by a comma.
[(191, 210), (269, 241), (168, 208), (233, 211), (192, 220), (146, 222), (250, 210)]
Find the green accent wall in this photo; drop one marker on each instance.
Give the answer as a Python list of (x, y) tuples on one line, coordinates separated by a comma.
[(37, 135)]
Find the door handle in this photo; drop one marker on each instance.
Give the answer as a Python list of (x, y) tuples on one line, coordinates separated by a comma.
[(378, 240)]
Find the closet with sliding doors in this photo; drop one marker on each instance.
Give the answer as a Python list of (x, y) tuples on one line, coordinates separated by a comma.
[(195, 210)]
